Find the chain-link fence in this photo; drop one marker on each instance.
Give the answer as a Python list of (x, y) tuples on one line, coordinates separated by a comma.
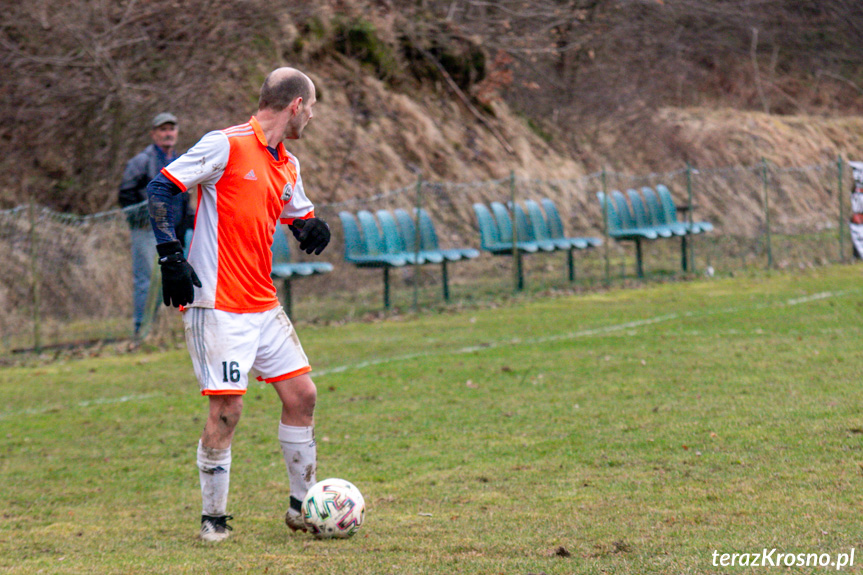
[(68, 279)]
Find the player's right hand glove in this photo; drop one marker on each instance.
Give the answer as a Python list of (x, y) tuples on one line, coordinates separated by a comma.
[(178, 277), (313, 234)]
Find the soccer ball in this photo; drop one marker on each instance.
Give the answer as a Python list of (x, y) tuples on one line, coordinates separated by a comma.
[(333, 508)]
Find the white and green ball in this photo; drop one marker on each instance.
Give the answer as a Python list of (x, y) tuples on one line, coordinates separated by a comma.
[(333, 508)]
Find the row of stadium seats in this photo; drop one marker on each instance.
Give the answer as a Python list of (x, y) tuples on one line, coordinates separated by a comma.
[(386, 240), (391, 239), (649, 215), (534, 232)]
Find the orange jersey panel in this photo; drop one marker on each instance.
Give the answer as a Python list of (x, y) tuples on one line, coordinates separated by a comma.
[(243, 191)]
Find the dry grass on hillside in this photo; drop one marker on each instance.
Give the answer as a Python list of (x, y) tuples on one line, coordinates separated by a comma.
[(367, 138), (581, 81)]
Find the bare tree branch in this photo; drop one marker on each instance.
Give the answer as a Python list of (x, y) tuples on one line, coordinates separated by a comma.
[(462, 97), (753, 54)]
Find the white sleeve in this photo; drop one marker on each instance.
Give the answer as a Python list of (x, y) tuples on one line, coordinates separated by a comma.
[(857, 172), (204, 163), (297, 205)]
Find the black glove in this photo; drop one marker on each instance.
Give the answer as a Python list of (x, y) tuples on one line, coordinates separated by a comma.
[(313, 234), (178, 277)]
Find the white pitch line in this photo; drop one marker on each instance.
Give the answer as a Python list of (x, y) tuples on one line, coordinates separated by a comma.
[(85, 403), (577, 334), (790, 302), (497, 344), (474, 348), (570, 335), (817, 296)]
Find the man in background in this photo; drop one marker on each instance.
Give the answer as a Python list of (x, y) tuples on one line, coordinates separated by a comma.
[(133, 192)]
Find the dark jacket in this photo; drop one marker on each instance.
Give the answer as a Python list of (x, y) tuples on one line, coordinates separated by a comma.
[(133, 190)]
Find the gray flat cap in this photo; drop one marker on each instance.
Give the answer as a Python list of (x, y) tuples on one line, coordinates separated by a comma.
[(164, 118)]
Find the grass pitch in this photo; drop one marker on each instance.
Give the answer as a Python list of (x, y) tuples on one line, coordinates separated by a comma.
[(634, 431)]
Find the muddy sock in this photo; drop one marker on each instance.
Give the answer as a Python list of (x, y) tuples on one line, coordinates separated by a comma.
[(214, 470), (301, 453)]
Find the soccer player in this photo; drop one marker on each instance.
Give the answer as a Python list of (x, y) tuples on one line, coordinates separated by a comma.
[(247, 182)]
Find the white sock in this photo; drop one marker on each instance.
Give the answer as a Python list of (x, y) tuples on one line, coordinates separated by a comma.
[(214, 469), (301, 457)]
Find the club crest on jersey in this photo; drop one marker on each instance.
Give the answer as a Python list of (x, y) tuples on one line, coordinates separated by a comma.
[(287, 192)]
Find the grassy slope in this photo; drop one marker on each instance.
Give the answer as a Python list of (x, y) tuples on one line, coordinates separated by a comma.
[(639, 430)]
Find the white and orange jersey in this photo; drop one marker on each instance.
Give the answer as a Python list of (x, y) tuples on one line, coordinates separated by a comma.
[(242, 192)]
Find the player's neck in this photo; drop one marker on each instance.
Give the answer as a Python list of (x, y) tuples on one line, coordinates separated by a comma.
[(272, 125)]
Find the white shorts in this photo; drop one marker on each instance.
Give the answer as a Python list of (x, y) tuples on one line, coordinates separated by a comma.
[(225, 346), (857, 237)]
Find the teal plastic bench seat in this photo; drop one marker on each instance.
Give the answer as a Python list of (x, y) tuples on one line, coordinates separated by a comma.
[(541, 232), (671, 212), (395, 241), (500, 242), (357, 252), (615, 226), (428, 237), (532, 230), (528, 232), (429, 241), (489, 234), (378, 241), (642, 218), (404, 226), (656, 213), (652, 216), (377, 246), (284, 269), (505, 230), (627, 219), (555, 227)]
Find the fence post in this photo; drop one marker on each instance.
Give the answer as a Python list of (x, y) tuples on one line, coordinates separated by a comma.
[(767, 212), (516, 255), (417, 241), (842, 223), (605, 230), (689, 208), (34, 278)]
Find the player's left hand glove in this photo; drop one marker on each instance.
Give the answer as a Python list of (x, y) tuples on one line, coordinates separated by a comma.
[(313, 234)]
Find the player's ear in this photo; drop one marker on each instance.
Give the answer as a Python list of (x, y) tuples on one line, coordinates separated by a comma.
[(295, 105)]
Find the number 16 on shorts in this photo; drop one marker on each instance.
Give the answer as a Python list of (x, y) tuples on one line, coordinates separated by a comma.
[(230, 372), (215, 345), (225, 346)]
